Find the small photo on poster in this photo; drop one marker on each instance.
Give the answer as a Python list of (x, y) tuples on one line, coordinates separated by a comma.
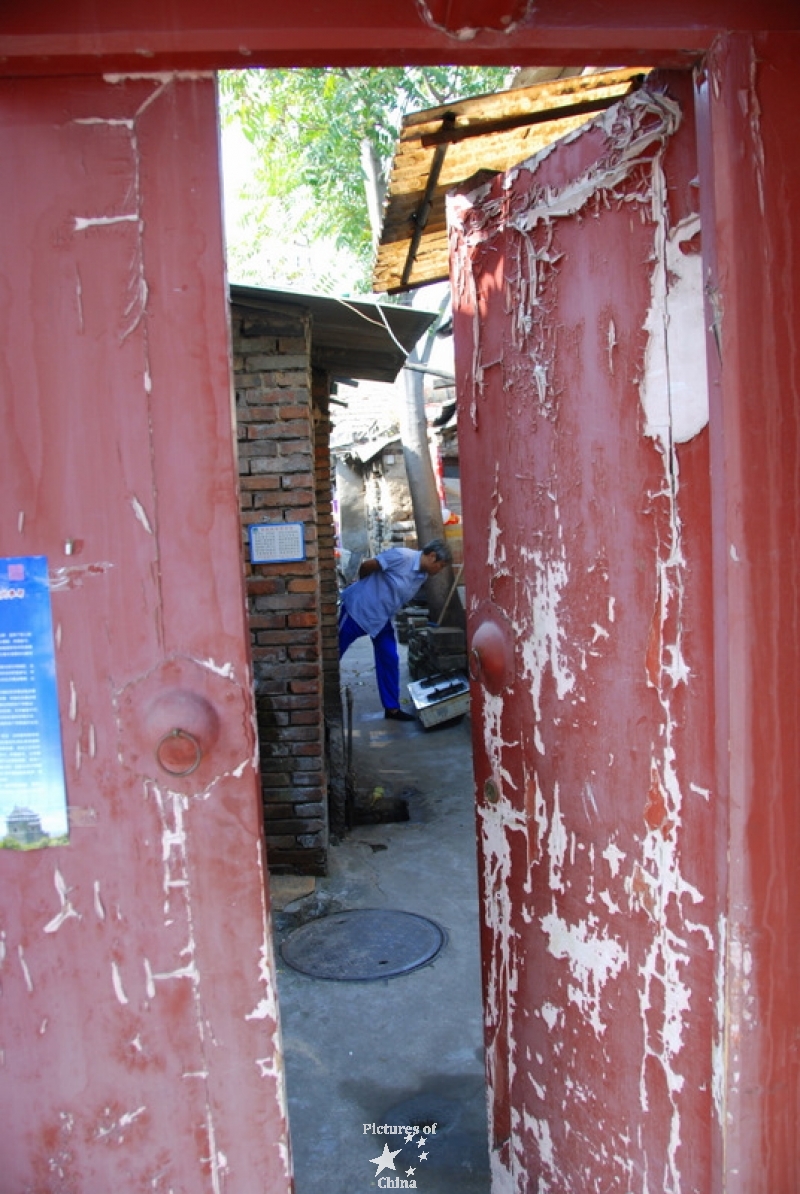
[(33, 800)]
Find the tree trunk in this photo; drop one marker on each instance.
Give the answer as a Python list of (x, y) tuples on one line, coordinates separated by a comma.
[(425, 501), (374, 187)]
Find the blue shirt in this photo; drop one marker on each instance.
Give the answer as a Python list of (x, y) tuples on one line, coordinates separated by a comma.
[(376, 598)]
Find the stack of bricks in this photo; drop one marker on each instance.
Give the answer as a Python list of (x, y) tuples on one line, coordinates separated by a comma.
[(278, 460)]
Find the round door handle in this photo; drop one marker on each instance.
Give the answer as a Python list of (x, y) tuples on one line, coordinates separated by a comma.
[(491, 656), (179, 753), (183, 726)]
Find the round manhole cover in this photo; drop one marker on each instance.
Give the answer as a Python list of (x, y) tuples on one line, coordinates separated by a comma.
[(363, 944)]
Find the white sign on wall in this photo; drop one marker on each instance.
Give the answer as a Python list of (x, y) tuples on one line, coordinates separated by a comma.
[(277, 542)]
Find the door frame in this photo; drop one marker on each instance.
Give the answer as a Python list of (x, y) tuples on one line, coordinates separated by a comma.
[(744, 96)]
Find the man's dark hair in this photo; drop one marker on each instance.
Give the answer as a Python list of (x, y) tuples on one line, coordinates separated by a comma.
[(438, 548)]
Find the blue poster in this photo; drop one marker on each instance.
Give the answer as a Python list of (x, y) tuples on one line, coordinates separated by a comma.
[(33, 800)]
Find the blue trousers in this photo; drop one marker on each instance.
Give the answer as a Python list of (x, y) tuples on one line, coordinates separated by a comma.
[(387, 661)]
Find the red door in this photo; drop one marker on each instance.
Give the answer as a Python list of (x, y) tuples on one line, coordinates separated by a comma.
[(580, 351), (137, 1000)]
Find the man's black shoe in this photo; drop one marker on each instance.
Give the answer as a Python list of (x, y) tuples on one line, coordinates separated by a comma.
[(398, 715)]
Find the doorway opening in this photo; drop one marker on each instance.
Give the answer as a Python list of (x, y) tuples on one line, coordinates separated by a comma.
[(331, 1084)]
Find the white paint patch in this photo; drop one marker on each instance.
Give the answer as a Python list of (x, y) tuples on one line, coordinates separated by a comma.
[(84, 222), (497, 822), (540, 1129), (130, 1117), (674, 387), (26, 974), (213, 1156), (614, 857), (650, 119), (557, 845), (593, 960), (116, 982), (550, 1014), (263, 1011), (268, 1067), (160, 77), (495, 552), (718, 1058), (612, 344), (189, 971), (99, 907), (501, 1179), (606, 898), (544, 644), (67, 910), (139, 511), (220, 669), (110, 121)]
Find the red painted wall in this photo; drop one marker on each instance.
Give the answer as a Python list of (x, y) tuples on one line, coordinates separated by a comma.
[(750, 186), (138, 1013)]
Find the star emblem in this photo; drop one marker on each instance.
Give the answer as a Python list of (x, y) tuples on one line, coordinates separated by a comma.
[(385, 1160), (408, 1171)]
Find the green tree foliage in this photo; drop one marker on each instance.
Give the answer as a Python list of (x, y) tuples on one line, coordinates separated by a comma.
[(308, 128)]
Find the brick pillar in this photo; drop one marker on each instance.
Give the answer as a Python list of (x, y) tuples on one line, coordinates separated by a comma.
[(272, 374)]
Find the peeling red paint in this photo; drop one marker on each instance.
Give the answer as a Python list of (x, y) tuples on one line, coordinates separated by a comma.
[(569, 382)]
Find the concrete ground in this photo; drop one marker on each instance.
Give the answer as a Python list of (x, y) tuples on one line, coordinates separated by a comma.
[(405, 1050)]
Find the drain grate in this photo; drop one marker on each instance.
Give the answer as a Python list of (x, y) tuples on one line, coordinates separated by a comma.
[(363, 945)]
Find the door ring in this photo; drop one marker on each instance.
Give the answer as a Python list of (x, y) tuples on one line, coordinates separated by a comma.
[(170, 736)]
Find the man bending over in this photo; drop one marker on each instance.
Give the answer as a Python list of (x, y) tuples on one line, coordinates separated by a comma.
[(385, 584)]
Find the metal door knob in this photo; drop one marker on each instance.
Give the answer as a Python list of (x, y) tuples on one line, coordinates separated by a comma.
[(179, 752), (183, 727)]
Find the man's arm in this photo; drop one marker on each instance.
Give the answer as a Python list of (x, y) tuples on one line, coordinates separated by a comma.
[(367, 567)]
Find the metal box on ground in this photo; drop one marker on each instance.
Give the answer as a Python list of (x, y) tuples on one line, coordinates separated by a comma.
[(440, 698)]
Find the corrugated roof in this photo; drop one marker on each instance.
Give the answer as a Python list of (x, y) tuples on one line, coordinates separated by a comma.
[(443, 147), (349, 337)]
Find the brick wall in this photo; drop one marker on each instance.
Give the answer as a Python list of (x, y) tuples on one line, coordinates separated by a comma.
[(284, 465)]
